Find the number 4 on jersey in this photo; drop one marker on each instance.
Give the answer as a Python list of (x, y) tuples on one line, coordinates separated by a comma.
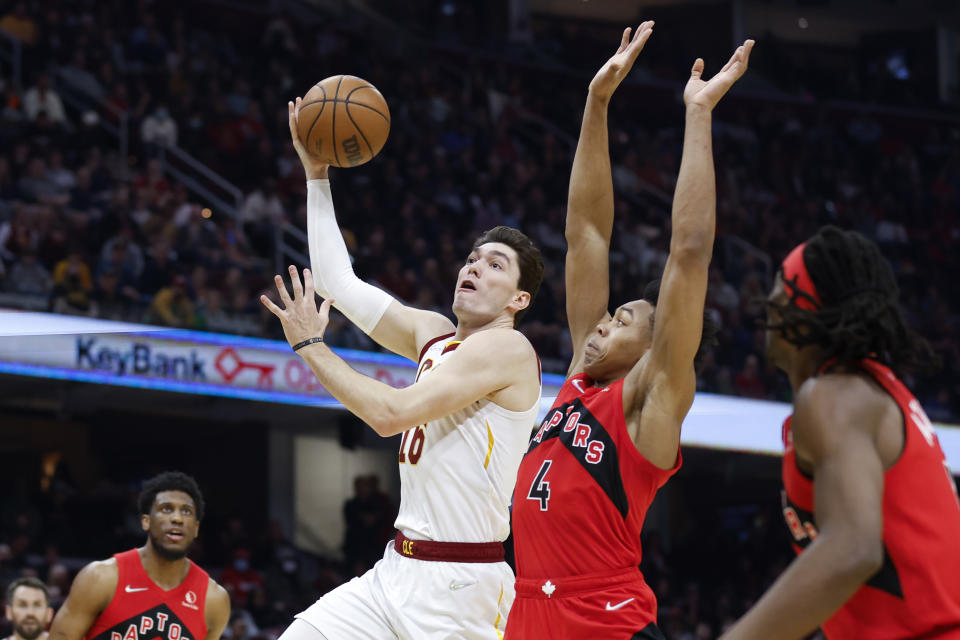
[(540, 488)]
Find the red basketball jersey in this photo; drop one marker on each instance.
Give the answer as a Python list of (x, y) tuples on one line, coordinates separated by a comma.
[(140, 610), (916, 593), (583, 489)]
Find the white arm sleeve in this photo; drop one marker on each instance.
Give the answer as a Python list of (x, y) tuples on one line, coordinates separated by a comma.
[(333, 275)]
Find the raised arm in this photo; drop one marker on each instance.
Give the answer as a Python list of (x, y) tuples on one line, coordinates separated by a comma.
[(658, 391), (90, 594), (590, 200), (390, 323), (499, 364), (834, 427)]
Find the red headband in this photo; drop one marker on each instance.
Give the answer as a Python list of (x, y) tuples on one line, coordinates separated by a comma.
[(795, 270)]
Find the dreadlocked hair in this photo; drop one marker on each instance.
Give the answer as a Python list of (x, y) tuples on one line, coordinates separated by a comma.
[(860, 315)]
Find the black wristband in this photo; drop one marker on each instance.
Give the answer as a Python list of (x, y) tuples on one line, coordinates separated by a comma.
[(301, 345)]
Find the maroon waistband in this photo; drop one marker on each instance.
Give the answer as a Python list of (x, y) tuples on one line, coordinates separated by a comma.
[(448, 551), (543, 588)]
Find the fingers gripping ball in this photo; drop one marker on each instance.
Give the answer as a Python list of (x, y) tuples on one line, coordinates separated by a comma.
[(344, 121)]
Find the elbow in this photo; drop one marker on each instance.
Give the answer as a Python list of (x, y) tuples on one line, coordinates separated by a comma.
[(861, 559), (388, 423), (384, 427), (692, 246)]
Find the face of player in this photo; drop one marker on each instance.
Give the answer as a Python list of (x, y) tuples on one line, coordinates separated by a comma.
[(487, 284), (172, 524), (619, 341), (779, 351), (29, 612)]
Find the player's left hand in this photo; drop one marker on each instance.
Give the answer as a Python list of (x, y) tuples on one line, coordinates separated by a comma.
[(300, 318), (700, 92)]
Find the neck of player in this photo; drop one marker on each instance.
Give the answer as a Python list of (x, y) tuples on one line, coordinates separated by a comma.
[(167, 574), (803, 365), (467, 325)]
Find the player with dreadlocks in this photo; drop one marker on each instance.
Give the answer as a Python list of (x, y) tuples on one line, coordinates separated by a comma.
[(868, 499)]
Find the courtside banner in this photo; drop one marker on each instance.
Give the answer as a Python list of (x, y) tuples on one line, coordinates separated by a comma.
[(144, 356), (47, 345)]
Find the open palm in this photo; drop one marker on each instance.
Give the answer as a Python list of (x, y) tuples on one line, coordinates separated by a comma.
[(708, 93), (612, 73)]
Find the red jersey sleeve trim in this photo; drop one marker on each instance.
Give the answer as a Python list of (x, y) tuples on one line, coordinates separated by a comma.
[(431, 343)]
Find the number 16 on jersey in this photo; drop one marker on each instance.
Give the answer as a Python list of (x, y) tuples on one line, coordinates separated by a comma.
[(540, 488)]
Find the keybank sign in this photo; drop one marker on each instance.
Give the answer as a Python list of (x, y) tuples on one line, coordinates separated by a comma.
[(98, 351), (141, 359)]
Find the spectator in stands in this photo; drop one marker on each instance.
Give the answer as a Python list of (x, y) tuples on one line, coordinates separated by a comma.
[(36, 186), (78, 75), (261, 208), (29, 277), (114, 300), (240, 579), (18, 234), (172, 306), (369, 520), (42, 98), (73, 285), (158, 130), (158, 267), (20, 25), (748, 382), (28, 609)]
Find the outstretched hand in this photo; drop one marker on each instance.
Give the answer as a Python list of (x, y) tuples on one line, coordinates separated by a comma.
[(312, 166), (612, 73), (708, 93), (300, 318)]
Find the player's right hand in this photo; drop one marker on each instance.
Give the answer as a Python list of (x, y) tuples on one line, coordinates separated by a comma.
[(312, 166), (613, 72)]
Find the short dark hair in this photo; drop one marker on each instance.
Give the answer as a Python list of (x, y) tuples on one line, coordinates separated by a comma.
[(860, 314), (529, 258), (31, 582), (708, 336), (170, 481)]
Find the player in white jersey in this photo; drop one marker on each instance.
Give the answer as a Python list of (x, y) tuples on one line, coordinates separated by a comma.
[(466, 422)]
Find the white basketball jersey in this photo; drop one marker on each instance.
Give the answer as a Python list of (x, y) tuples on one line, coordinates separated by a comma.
[(457, 473)]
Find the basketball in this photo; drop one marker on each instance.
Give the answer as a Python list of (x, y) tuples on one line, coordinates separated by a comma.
[(344, 121)]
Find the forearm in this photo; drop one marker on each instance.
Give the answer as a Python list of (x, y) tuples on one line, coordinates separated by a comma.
[(695, 198), (812, 588), (333, 275), (590, 200), (370, 400)]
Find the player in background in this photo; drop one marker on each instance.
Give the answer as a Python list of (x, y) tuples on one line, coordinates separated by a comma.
[(868, 500), (28, 609), (154, 592), (612, 438), (465, 424)]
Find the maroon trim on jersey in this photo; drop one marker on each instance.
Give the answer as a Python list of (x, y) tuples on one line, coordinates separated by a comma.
[(431, 550), (452, 346), (433, 342)]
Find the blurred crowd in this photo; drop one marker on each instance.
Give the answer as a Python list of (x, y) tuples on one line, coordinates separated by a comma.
[(476, 141)]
